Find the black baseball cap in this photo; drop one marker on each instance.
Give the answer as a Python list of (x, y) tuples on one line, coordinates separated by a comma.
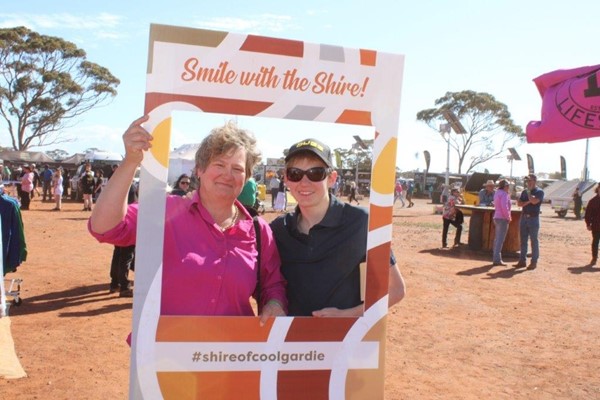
[(314, 146)]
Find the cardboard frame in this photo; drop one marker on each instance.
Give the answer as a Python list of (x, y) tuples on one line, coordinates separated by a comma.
[(209, 71)]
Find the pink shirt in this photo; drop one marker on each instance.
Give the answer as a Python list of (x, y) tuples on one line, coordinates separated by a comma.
[(206, 271), (502, 205), (27, 182)]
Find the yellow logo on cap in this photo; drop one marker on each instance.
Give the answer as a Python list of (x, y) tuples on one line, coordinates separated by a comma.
[(309, 143)]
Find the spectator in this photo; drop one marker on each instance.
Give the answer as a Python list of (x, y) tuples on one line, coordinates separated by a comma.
[(182, 185), (99, 184), (409, 193), (123, 260), (398, 189), (46, 178), (88, 184), (531, 200), (592, 221), (248, 196), (486, 194), (274, 188), (577, 203), (57, 188), (26, 187), (502, 218), (66, 183), (452, 216), (353, 192)]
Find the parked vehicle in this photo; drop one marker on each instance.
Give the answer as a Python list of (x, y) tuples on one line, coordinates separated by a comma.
[(560, 195)]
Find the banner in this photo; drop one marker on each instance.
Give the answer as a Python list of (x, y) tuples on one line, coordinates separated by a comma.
[(198, 357), (427, 159), (563, 168), (570, 106), (530, 165)]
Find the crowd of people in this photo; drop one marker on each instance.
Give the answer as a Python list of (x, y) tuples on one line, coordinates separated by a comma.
[(497, 195), (309, 256)]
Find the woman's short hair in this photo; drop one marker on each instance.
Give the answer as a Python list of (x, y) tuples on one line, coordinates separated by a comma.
[(226, 140)]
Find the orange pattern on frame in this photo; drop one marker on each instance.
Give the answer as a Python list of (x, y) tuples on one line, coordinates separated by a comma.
[(211, 329), (210, 385), (355, 117), (377, 276), (368, 57), (283, 47), (208, 104), (315, 384)]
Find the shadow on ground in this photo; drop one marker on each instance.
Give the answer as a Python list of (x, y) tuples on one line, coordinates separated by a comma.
[(54, 301)]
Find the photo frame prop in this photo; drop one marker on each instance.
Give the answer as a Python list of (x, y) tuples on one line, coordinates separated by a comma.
[(190, 357)]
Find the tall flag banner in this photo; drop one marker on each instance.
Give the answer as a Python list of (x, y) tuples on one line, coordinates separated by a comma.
[(570, 106), (427, 159), (218, 357), (530, 165), (563, 168)]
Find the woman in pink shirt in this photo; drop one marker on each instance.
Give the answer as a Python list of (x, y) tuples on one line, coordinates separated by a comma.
[(26, 187), (502, 218), (209, 257)]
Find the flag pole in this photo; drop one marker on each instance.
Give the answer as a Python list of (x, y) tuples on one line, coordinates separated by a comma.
[(585, 163)]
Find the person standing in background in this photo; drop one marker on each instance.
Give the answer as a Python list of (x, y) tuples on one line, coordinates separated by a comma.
[(502, 219), (26, 187), (409, 193), (88, 184), (274, 188), (577, 203), (57, 188), (452, 216), (486, 194), (592, 221), (529, 227), (398, 189)]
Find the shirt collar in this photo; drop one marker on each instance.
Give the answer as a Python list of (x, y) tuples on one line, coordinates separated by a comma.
[(332, 218), (196, 204)]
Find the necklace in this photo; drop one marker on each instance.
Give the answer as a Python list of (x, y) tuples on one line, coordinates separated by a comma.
[(233, 219)]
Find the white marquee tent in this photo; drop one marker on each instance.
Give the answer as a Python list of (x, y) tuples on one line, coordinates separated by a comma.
[(181, 161)]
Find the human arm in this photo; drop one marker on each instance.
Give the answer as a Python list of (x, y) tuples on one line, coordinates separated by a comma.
[(112, 205), (396, 292), (272, 284)]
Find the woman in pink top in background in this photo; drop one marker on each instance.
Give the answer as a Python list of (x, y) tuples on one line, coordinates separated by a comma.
[(502, 218), (209, 257), (26, 187)]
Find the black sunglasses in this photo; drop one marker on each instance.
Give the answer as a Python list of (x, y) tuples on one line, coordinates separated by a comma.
[(315, 174), (184, 183)]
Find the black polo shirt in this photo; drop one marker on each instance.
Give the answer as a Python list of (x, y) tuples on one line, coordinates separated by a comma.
[(322, 268), (532, 209)]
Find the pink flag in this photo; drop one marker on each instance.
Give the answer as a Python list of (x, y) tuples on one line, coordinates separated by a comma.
[(570, 106)]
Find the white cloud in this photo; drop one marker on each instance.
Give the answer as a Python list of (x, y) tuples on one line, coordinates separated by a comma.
[(103, 25), (253, 24)]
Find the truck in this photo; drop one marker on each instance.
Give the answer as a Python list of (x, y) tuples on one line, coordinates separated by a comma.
[(560, 195), (103, 160)]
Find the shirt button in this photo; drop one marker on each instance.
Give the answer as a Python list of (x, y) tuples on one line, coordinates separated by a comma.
[(219, 277), (213, 301)]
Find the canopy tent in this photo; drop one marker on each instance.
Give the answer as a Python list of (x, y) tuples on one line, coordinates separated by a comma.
[(182, 161), (75, 159), (26, 157)]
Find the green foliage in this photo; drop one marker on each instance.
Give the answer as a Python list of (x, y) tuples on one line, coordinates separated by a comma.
[(364, 156), (490, 128), (45, 82)]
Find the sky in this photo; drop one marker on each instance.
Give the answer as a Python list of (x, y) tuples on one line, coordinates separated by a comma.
[(494, 47)]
